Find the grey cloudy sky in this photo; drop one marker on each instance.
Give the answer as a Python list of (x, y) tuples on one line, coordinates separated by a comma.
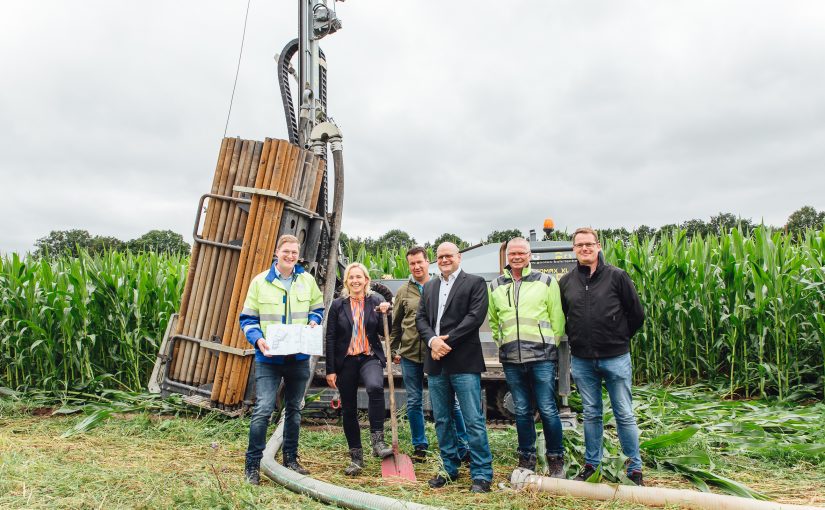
[(458, 117)]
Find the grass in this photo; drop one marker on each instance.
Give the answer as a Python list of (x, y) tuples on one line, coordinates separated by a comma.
[(146, 460)]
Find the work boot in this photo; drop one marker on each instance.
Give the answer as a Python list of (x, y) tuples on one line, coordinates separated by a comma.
[(480, 486), (252, 472), (356, 462), (439, 481), (291, 462), (419, 454), (585, 473), (636, 477), (527, 461), (379, 447), (555, 464)]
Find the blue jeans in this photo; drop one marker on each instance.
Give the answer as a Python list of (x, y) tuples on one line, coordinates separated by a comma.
[(414, 385), (535, 380), (444, 390), (267, 378), (617, 375)]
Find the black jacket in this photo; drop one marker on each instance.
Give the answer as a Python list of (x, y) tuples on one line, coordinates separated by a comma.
[(464, 313), (603, 310), (339, 330)]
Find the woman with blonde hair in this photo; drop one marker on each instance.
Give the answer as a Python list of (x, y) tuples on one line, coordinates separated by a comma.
[(353, 354)]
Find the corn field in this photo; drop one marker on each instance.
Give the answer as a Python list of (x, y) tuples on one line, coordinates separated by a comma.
[(70, 323), (743, 311), (749, 310)]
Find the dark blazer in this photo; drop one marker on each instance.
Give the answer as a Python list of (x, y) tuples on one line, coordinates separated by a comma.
[(339, 330), (463, 316)]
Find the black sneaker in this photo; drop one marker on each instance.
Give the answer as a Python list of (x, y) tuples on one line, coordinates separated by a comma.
[(480, 486), (419, 454), (439, 481), (636, 477), (585, 473)]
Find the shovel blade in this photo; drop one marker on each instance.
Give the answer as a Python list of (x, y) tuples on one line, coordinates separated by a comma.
[(398, 466)]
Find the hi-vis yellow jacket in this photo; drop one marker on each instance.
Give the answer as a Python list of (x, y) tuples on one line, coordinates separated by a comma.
[(526, 319), (268, 302)]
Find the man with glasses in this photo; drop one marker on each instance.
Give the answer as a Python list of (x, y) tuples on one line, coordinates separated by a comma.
[(452, 309), (408, 348), (526, 318), (603, 312)]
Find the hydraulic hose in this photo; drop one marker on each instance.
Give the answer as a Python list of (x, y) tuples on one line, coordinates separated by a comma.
[(650, 496)]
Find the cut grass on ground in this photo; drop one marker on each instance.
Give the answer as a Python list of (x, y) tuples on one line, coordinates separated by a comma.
[(147, 461)]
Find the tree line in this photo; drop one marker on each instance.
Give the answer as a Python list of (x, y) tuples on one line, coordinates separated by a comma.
[(800, 220), (59, 242), (71, 242)]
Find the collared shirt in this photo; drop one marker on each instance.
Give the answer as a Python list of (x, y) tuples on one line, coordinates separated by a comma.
[(286, 281), (443, 296), (420, 286)]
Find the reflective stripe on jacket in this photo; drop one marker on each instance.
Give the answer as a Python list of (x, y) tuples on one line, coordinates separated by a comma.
[(526, 324), (268, 302)]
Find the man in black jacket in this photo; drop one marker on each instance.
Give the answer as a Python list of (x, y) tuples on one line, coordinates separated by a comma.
[(452, 309), (603, 311)]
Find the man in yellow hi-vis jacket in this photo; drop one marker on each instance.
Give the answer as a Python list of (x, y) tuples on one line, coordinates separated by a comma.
[(526, 318), (285, 294)]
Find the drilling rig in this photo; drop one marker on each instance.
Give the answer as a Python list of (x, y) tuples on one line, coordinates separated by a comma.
[(260, 191)]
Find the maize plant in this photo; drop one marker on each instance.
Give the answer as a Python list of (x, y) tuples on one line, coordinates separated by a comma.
[(71, 322), (744, 309)]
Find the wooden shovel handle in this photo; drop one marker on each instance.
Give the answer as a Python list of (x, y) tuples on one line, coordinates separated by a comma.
[(390, 380)]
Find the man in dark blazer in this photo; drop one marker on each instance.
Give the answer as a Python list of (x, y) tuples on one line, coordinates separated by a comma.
[(452, 309)]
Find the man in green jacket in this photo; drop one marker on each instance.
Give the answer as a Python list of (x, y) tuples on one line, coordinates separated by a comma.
[(408, 349), (526, 318)]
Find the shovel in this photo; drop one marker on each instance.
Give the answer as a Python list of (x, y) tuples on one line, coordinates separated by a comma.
[(397, 465)]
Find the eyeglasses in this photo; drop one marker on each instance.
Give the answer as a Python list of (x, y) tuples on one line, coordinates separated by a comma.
[(518, 253), (579, 246), (447, 256)]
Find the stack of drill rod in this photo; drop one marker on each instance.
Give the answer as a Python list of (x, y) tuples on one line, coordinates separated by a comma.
[(211, 266), (220, 273), (292, 172)]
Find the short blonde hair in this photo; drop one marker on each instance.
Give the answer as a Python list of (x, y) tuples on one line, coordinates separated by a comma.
[(286, 238), (585, 230), (348, 270)]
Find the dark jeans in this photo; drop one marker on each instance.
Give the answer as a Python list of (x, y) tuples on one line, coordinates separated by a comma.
[(535, 380), (616, 374), (267, 378), (414, 385), (368, 370), (444, 390)]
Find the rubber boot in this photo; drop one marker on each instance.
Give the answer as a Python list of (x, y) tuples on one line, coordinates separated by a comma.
[(356, 462), (252, 472), (379, 447), (555, 464), (291, 462), (527, 461)]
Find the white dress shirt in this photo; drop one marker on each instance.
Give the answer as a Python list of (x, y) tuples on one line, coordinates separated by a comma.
[(443, 296)]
